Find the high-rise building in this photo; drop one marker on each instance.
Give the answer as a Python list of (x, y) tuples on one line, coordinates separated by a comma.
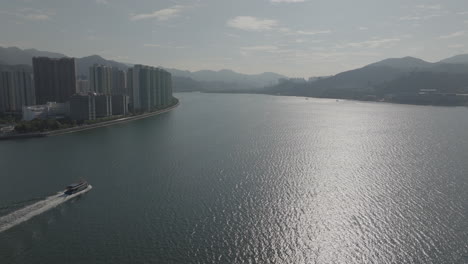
[(16, 90), (118, 86), (103, 105), (107, 80), (149, 88), (120, 104), (82, 86), (54, 79), (100, 79), (83, 107)]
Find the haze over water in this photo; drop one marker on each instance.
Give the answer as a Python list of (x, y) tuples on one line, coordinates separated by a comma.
[(248, 179)]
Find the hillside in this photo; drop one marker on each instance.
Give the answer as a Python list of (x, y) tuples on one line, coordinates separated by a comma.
[(244, 81), (83, 64), (14, 55), (391, 76), (458, 59), (204, 80)]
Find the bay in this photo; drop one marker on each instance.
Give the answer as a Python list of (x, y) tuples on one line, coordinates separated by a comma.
[(248, 179)]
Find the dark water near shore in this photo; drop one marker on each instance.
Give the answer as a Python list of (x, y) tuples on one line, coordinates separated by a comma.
[(248, 179)]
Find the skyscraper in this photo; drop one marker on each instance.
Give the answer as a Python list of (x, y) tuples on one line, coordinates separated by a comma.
[(118, 82), (82, 86), (54, 79), (100, 79), (16, 90), (148, 87), (107, 80)]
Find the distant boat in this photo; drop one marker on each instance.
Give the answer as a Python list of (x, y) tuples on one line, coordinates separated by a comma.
[(76, 187)]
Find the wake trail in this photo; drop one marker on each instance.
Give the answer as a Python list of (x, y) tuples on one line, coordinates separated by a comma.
[(24, 214)]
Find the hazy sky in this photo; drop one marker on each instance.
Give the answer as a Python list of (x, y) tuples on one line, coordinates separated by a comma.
[(292, 37)]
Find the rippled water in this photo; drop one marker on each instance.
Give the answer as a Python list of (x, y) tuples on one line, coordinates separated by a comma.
[(249, 179)]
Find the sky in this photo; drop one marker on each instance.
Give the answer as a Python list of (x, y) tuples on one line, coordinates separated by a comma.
[(297, 38)]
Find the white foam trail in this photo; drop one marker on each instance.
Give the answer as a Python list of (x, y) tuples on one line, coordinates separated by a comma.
[(28, 212)]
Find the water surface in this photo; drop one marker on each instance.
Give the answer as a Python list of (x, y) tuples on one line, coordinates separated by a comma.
[(248, 179)]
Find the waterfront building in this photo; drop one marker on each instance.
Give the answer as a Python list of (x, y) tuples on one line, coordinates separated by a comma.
[(82, 86), (54, 79), (133, 88), (120, 104), (16, 90), (34, 112), (119, 86), (103, 105), (149, 88), (107, 80), (49, 110), (83, 107), (100, 79)]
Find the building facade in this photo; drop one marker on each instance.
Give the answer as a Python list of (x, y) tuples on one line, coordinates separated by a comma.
[(83, 107), (103, 105), (107, 80), (16, 90), (82, 86), (120, 104), (149, 88), (51, 110), (54, 79), (100, 79), (119, 85)]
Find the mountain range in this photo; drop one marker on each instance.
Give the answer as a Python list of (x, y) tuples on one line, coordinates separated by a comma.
[(394, 75), (389, 76), (183, 80)]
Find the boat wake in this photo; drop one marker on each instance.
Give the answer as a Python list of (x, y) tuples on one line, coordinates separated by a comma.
[(28, 212)]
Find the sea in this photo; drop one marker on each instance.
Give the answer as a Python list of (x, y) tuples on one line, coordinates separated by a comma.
[(242, 178)]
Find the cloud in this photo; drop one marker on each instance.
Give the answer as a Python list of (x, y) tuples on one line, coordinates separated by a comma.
[(302, 32), (31, 14), (363, 28), (431, 7), (266, 48), (372, 43), (456, 46), (287, 1), (102, 2), (161, 15), (249, 23), (462, 13), (247, 51), (36, 17), (453, 35), (152, 45), (413, 18), (232, 35)]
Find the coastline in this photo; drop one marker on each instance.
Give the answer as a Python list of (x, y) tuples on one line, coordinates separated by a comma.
[(345, 99), (88, 127)]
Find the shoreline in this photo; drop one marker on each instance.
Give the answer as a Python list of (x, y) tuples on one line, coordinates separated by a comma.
[(88, 127), (335, 98)]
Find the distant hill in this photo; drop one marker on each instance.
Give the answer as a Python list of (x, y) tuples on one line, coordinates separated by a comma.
[(385, 76), (231, 77), (406, 63), (199, 80), (83, 64), (458, 59), (390, 76), (14, 55), (413, 82)]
